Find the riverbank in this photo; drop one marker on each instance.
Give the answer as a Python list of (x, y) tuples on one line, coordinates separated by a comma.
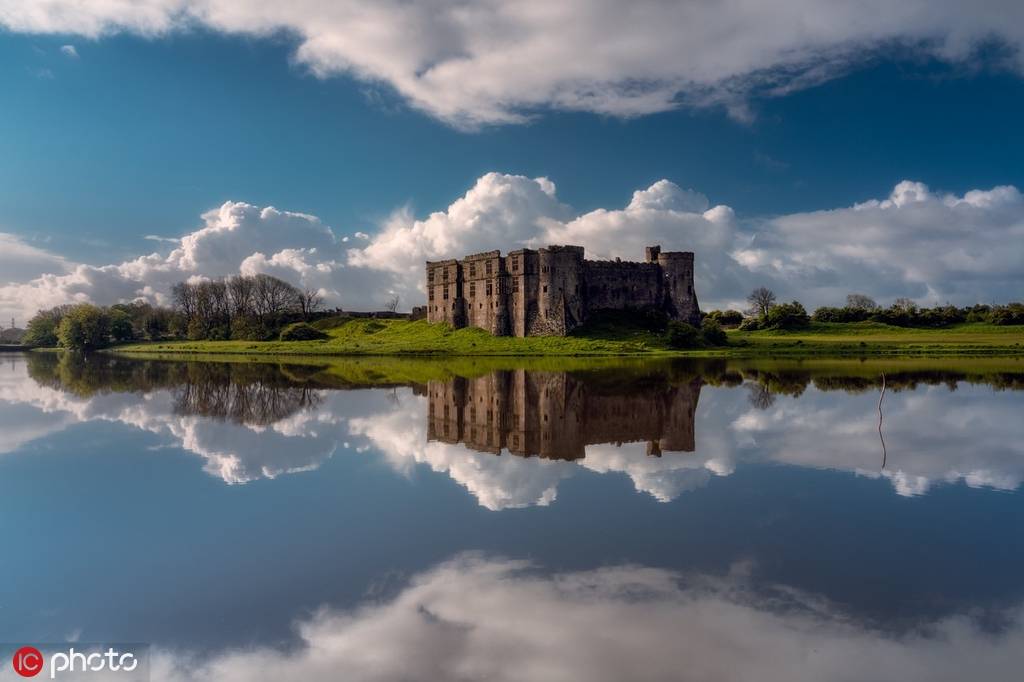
[(401, 337)]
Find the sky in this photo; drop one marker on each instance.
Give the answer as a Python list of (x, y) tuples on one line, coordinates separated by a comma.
[(816, 147)]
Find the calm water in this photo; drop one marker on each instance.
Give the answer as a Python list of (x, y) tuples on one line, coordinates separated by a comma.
[(387, 520)]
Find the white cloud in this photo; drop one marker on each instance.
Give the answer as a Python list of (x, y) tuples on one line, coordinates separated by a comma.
[(491, 619), (917, 243), (499, 61), (929, 246), (69, 51)]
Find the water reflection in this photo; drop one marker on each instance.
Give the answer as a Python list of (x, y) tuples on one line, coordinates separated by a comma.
[(647, 421), (485, 619), (767, 541), (556, 415)]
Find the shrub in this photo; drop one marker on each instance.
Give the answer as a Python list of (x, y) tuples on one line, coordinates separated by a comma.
[(1011, 313), (750, 324), (786, 316), (712, 332), (300, 331), (846, 314), (681, 335), (84, 327), (246, 328), (726, 318)]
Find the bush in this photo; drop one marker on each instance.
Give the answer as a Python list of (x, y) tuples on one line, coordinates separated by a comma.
[(786, 316), (1011, 313), (846, 314), (712, 332), (251, 329), (300, 331), (84, 327), (726, 318), (681, 335), (750, 324)]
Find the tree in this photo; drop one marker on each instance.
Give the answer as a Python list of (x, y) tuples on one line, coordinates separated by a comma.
[(84, 327), (120, 325), (905, 306), (391, 305), (786, 316), (42, 328), (761, 300), (310, 301), (861, 302)]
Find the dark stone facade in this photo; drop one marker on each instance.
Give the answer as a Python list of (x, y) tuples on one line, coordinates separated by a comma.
[(551, 291)]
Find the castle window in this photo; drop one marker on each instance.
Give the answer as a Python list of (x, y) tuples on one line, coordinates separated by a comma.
[(488, 267), (472, 289), (488, 288), (515, 286), (515, 264), (545, 288), (430, 277), (446, 293), (444, 274), (472, 269), (430, 294), (544, 269)]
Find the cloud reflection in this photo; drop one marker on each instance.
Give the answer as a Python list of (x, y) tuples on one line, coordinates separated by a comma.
[(476, 618), (510, 438)]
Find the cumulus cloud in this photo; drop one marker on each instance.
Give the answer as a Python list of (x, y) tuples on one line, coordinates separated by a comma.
[(69, 51), (933, 247), (929, 246), (491, 619), (502, 61)]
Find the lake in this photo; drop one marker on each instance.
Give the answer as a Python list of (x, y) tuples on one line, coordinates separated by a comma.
[(482, 519)]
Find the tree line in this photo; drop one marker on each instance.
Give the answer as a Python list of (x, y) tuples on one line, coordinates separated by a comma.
[(764, 312), (244, 307)]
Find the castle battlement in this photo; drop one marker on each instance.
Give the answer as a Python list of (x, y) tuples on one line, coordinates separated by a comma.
[(552, 290)]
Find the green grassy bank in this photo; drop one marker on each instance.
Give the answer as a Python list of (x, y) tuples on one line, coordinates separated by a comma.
[(401, 337)]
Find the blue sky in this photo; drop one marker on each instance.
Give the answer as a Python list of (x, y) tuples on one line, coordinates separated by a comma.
[(141, 130)]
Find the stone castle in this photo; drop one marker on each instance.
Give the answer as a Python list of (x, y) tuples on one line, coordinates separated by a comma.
[(550, 291)]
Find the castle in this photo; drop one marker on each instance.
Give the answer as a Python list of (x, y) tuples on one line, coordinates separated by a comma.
[(550, 291)]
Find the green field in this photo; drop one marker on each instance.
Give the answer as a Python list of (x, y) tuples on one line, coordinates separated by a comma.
[(401, 337)]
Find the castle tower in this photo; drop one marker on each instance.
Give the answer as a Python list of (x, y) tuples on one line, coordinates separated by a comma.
[(680, 297), (560, 303)]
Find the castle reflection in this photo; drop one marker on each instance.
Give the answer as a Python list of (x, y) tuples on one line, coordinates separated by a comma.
[(555, 415)]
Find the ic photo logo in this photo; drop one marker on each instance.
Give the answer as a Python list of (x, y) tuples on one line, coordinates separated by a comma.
[(81, 662)]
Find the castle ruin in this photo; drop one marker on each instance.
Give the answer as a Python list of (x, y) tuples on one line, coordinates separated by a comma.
[(551, 291)]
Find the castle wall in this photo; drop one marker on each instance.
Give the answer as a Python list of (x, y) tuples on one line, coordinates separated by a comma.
[(619, 285), (444, 293), (560, 298), (523, 267), (484, 287), (681, 301)]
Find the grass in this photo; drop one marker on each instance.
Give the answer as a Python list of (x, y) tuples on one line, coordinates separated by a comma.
[(872, 338), (609, 338)]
